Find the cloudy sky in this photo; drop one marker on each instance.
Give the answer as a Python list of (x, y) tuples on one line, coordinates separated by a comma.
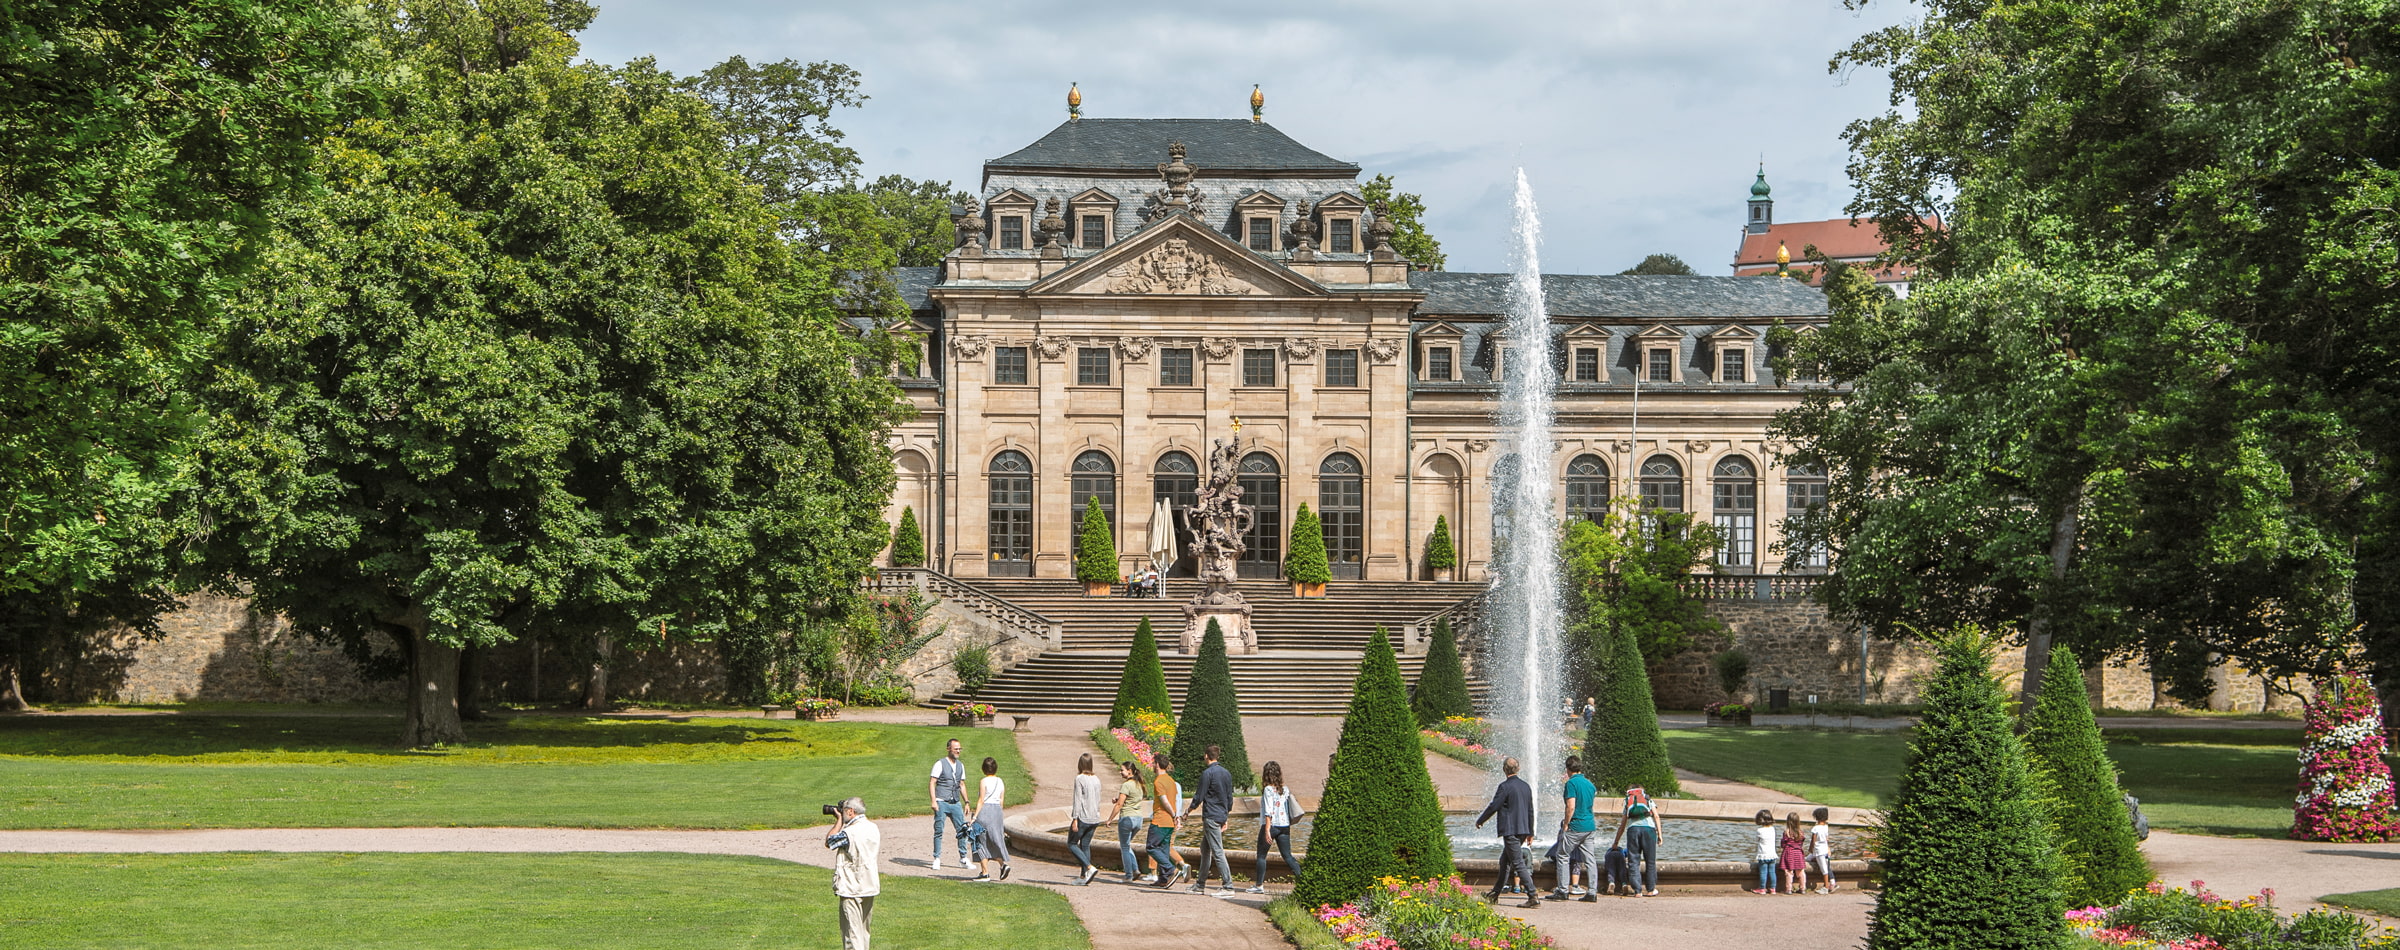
[(1639, 125)]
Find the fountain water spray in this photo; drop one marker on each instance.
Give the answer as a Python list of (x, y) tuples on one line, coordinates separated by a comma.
[(1525, 618)]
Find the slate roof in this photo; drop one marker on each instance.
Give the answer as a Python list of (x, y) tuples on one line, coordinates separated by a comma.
[(1215, 146), (916, 285), (1623, 296)]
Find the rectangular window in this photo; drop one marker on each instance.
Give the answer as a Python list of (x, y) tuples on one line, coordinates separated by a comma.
[(1437, 363), (1262, 234), (1008, 366), (1733, 366), (1095, 230), (1341, 368), (1587, 364), (1258, 367), (1091, 366), (1338, 236), (1012, 232), (1175, 366), (1662, 365)]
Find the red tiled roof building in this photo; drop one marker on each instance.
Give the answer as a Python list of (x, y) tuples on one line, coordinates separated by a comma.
[(1849, 240)]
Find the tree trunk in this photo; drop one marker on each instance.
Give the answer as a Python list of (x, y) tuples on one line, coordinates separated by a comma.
[(2037, 627), (12, 696), (431, 717), (595, 689), (470, 684)]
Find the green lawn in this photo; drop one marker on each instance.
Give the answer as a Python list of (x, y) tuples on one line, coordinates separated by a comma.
[(494, 902), (226, 771), (2385, 902), (2234, 782)]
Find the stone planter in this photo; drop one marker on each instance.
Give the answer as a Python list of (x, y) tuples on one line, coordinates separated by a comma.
[(1740, 720), (962, 719), (819, 715), (1098, 588), (1443, 574), (1307, 590)]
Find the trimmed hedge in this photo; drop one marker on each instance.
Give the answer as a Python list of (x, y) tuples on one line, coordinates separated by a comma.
[(1306, 563), (1212, 715), (1967, 859), (908, 541), (2100, 858), (1442, 688), (1439, 551), (1144, 682), (1622, 747), (1379, 816), (1095, 546)]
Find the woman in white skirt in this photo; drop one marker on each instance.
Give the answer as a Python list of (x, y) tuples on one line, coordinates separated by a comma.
[(994, 840)]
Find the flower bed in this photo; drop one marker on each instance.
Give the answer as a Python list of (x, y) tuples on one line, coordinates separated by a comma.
[(1443, 743), (970, 713), (1437, 914), (2172, 918), (2345, 787), (1134, 746), (1154, 728), (817, 708), (1472, 730)]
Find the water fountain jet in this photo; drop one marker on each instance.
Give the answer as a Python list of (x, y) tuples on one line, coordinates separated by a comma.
[(1524, 618)]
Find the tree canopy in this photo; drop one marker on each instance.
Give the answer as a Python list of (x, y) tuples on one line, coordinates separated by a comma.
[(1660, 264), (537, 360), (2142, 364), (1407, 214)]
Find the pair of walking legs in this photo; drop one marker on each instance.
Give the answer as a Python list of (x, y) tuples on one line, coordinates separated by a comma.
[(1515, 867), (1162, 852), (1212, 854), (1280, 837), (1079, 843), (1574, 844), (1129, 854), (953, 814)]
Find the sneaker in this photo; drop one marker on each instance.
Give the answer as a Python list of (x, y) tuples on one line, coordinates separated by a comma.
[(1255, 889), (981, 877), (1590, 898), (1556, 894), (1089, 875), (1220, 892), (937, 864), (1004, 869), (1577, 891), (1198, 887), (1531, 902)]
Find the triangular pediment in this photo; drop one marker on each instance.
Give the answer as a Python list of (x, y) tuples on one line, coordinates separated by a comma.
[(1734, 333), (1342, 201), (1662, 331), (1177, 256), (1587, 331), (1438, 328), (1092, 196)]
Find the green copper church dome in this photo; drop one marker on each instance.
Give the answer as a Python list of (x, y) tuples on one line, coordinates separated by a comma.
[(1759, 189)]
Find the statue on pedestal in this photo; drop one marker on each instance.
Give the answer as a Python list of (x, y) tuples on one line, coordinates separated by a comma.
[(1217, 522)]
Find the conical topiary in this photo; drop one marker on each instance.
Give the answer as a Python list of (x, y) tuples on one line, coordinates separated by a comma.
[(2345, 786), (908, 543), (1144, 682), (1379, 816), (1442, 687), (1212, 715), (1439, 552), (1306, 563), (1622, 747), (2099, 858), (1967, 857), (1095, 547)]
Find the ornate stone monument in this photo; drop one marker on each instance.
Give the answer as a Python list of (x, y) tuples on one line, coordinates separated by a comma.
[(1217, 522)]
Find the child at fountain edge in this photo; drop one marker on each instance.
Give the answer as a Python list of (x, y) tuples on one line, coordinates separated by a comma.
[(1764, 859), (1820, 850), (1639, 830), (1793, 859)]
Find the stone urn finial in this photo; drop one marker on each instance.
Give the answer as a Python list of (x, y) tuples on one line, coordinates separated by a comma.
[(1380, 231), (1178, 174), (1053, 227), (969, 221)]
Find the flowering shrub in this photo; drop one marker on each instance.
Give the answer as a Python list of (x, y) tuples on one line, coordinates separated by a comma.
[(816, 705), (1142, 752), (2345, 787), (1154, 727), (1477, 751), (978, 710), (1471, 730), (1728, 710), (2172, 918), (1436, 914)]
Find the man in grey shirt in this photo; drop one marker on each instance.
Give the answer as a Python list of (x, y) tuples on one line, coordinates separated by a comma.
[(943, 787), (1215, 804)]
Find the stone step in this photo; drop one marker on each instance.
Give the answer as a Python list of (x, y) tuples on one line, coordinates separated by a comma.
[(1312, 683), (1342, 620)]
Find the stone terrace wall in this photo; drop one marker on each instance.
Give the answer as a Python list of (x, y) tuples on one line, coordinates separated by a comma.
[(216, 649)]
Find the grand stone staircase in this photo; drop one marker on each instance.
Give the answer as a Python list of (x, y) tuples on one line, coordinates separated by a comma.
[(1309, 647)]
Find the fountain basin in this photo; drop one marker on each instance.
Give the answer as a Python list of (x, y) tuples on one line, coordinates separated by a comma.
[(1042, 832)]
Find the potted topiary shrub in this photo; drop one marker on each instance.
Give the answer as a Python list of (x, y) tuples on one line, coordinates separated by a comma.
[(1441, 556), (817, 709), (908, 542), (1728, 714), (972, 713), (1095, 552), (1306, 565)]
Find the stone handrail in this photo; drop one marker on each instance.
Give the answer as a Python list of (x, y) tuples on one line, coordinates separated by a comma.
[(1017, 621), (1751, 586), (1466, 623)]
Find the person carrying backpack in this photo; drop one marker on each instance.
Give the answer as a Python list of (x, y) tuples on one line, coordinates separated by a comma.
[(1638, 830)]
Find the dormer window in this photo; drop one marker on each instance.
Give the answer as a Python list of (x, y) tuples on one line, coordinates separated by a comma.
[(1659, 362), (1437, 352), (1338, 217), (1341, 236), (1262, 234), (1437, 362), (1587, 364), (1733, 365), (1012, 232), (1089, 218), (1095, 231)]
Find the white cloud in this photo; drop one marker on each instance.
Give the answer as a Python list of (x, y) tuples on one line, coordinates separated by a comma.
[(1639, 125)]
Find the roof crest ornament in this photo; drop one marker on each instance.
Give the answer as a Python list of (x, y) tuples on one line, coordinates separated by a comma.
[(1178, 195), (1074, 103), (1258, 104)]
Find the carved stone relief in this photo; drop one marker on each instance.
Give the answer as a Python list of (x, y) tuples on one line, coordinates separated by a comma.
[(1052, 347), (1299, 348), (1175, 267), (1217, 347), (1134, 348), (968, 347), (1383, 349), (1697, 446)]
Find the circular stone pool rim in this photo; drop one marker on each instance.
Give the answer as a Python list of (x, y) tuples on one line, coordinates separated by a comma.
[(1032, 831)]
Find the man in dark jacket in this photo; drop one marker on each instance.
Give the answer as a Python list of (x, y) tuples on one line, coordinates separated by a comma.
[(1215, 804), (1513, 802)]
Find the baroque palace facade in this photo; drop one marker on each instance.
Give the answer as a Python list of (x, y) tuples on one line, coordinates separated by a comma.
[(1126, 291)]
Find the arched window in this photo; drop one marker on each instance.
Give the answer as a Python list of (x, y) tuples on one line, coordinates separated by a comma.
[(1011, 515), (1342, 508), (1587, 488), (1176, 478), (1094, 476), (1662, 484), (1735, 509), (1262, 488), (1803, 504), (1504, 500)]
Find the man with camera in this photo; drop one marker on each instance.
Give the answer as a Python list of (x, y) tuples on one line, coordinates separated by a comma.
[(856, 844)]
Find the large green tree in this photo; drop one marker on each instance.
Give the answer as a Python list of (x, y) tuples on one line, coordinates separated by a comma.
[(1626, 572), (2143, 364), (1406, 211), (1379, 815), (2099, 858), (147, 141), (537, 361), (1660, 265)]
